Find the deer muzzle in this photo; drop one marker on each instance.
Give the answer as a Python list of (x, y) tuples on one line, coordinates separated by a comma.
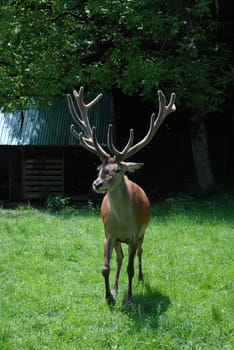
[(98, 186)]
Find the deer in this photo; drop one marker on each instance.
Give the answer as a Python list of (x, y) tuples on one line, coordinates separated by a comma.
[(125, 208)]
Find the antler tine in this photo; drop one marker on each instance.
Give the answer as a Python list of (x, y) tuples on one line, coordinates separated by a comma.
[(80, 99), (101, 152), (87, 137), (74, 132), (155, 123), (73, 112), (164, 109), (82, 121), (93, 145), (118, 154), (80, 137), (148, 137)]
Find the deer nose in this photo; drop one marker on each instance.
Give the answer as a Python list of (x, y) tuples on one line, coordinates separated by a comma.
[(97, 184)]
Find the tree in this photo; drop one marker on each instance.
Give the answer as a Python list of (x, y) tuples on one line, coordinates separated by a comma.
[(51, 46)]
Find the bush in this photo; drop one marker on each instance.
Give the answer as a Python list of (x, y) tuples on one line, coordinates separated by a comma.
[(57, 202)]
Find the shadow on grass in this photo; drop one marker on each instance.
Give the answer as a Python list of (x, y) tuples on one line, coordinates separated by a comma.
[(146, 308)]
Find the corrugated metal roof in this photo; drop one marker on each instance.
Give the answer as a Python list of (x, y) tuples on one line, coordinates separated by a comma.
[(51, 127)]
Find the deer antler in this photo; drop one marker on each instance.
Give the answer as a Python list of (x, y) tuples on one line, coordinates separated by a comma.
[(88, 137), (155, 123)]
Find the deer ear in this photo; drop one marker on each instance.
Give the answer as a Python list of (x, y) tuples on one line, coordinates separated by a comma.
[(131, 167)]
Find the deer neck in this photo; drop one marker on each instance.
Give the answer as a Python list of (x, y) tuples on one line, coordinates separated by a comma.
[(120, 200)]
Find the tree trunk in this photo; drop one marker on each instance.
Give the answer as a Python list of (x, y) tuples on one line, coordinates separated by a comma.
[(201, 155)]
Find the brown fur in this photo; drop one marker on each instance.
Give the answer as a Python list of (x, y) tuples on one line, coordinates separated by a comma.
[(129, 229)]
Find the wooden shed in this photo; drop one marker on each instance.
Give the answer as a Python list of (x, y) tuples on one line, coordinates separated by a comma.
[(40, 157)]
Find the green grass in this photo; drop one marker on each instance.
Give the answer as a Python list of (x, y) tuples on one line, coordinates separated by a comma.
[(52, 291)]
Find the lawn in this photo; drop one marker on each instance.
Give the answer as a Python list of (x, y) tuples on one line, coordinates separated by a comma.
[(52, 291)]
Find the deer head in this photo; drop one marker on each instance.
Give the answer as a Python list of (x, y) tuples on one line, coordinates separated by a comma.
[(113, 166)]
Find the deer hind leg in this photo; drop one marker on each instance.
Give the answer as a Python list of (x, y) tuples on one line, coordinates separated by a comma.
[(139, 255), (119, 259), (106, 269), (130, 270)]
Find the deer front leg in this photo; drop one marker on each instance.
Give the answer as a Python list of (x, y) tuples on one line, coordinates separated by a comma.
[(106, 269), (119, 259), (130, 271)]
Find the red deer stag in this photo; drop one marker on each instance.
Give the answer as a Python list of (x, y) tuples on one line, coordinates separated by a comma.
[(125, 207)]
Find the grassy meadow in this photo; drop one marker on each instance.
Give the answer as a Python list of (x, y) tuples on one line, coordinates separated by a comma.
[(52, 291)]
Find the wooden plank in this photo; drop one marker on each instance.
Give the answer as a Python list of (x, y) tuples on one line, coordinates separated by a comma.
[(43, 161), (43, 167), (42, 189), (50, 174), (43, 181), (43, 176), (43, 185)]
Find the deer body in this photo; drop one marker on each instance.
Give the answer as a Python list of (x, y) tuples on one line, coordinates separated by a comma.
[(124, 224), (125, 208)]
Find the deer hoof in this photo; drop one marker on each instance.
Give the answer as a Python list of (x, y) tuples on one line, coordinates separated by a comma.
[(128, 302), (110, 300), (140, 278)]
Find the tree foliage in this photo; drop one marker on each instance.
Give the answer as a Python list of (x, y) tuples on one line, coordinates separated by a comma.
[(51, 47)]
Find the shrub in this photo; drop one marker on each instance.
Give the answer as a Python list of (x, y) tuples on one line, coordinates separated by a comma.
[(57, 202)]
